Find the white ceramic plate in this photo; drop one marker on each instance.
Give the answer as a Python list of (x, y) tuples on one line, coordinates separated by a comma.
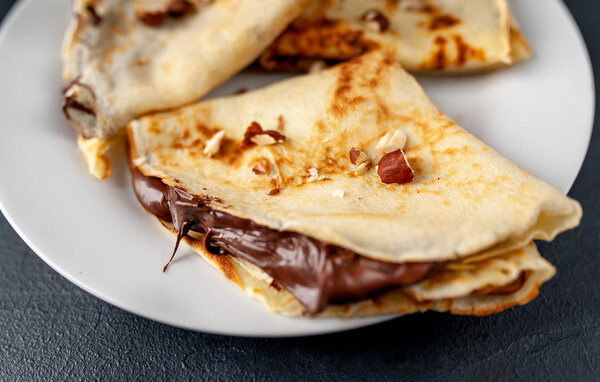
[(94, 233)]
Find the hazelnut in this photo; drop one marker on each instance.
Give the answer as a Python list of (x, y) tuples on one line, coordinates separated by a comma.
[(214, 144), (375, 21), (394, 168), (391, 142)]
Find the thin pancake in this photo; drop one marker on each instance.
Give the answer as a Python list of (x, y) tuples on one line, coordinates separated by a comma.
[(443, 36), (468, 207), (476, 291), (321, 193), (117, 67)]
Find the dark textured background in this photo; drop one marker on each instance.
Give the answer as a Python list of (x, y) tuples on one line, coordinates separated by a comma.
[(52, 330)]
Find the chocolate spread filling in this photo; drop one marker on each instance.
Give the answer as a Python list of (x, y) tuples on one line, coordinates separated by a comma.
[(70, 103), (316, 273)]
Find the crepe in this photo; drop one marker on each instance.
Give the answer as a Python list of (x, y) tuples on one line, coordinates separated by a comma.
[(468, 209), (124, 58), (441, 36)]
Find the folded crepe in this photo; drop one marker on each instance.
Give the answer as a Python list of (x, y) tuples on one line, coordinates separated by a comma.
[(124, 58), (346, 193), (444, 36)]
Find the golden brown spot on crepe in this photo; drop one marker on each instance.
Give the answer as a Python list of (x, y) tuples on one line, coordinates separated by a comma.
[(206, 131), (345, 309), (442, 21), (142, 61), (121, 25), (320, 126), (230, 151), (416, 163), (224, 265), (343, 96), (153, 130), (307, 41), (428, 191), (466, 52), (377, 302), (507, 289), (124, 46), (109, 52), (385, 64), (480, 312), (429, 9), (390, 6), (452, 151), (330, 162), (383, 113), (439, 56)]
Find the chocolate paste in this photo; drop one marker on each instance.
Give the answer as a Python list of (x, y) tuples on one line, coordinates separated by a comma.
[(315, 272), (70, 103)]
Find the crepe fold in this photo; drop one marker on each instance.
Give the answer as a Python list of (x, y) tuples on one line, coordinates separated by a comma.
[(470, 210), (124, 58), (443, 36)]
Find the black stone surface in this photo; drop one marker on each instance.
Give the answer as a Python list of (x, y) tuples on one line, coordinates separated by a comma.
[(52, 330)]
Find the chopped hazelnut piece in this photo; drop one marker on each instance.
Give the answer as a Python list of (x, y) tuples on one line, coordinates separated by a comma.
[(255, 135), (357, 157), (391, 142), (394, 168), (363, 168), (314, 175), (213, 145), (262, 167), (375, 21), (155, 12), (151, 18), (263, 140), (178, 8)]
